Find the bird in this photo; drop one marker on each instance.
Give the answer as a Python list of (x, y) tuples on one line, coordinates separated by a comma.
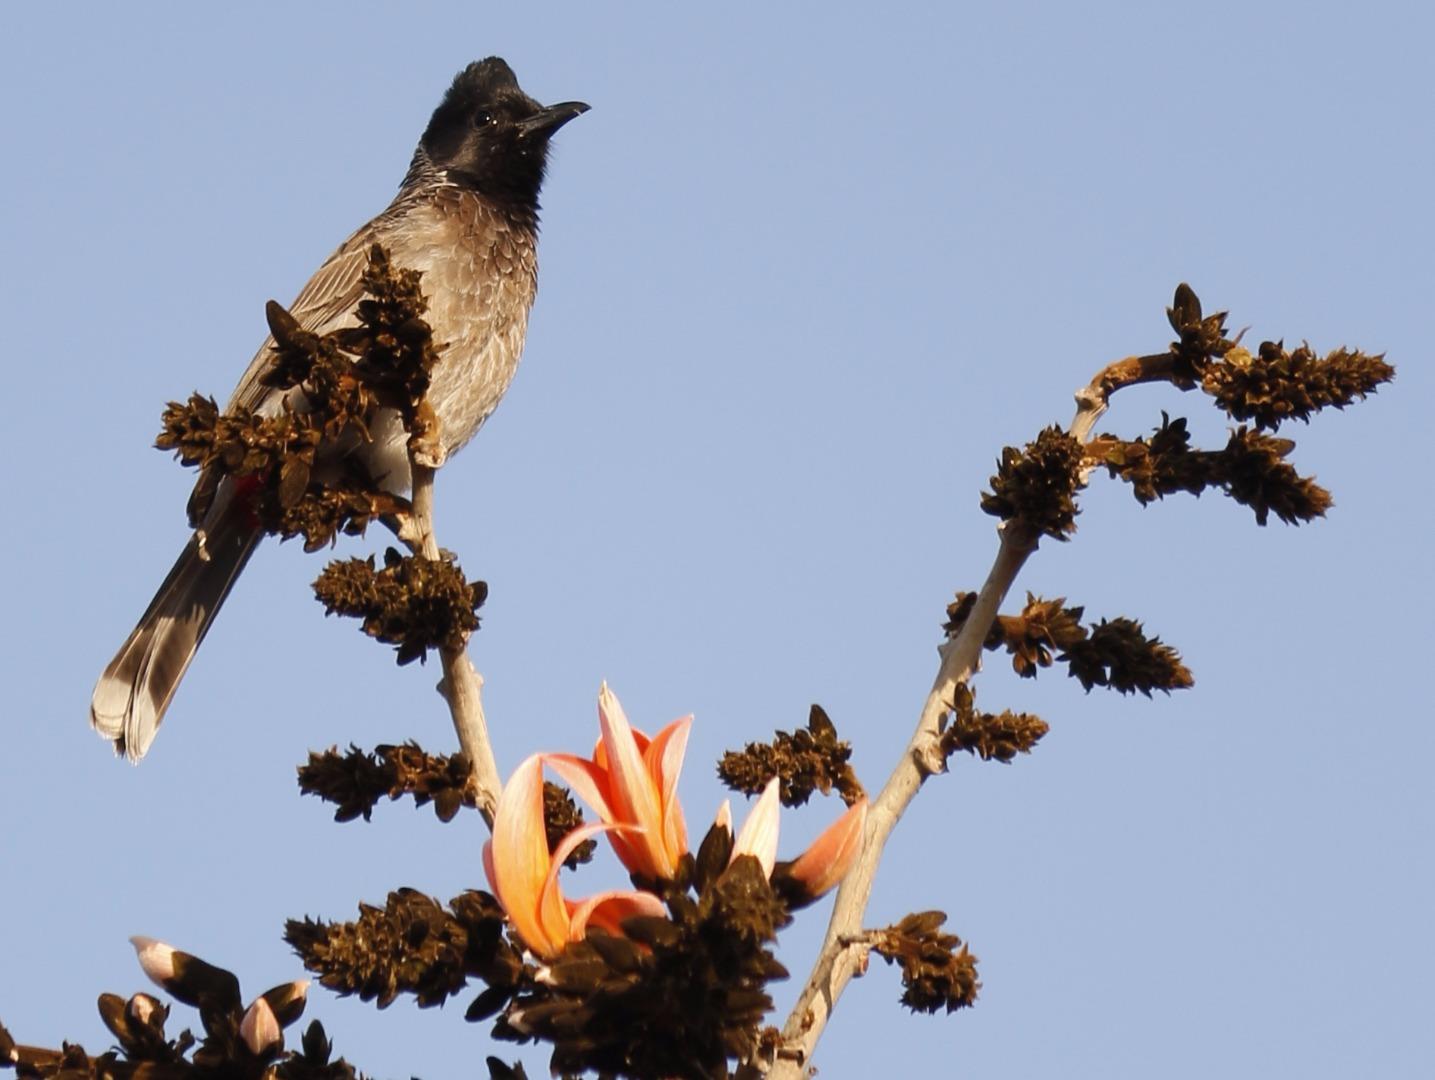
[(466, 217)]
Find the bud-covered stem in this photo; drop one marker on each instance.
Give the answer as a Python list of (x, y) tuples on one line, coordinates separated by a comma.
[(462, 686), (845, 948)]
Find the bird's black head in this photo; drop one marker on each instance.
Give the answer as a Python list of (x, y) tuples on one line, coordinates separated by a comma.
[(490, 136)]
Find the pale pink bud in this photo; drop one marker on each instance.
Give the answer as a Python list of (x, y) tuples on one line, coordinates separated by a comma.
[(724, 817), (156, 958), (142, 1007), (759, 832), (260, 1028)]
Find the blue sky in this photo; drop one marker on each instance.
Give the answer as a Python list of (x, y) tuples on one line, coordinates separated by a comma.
[(805, 270)]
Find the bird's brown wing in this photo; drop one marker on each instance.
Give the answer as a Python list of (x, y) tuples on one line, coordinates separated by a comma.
[(323, 304)]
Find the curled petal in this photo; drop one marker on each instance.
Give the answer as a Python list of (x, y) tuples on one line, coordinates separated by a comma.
[(664, 758), (564, 931), (517, 861), (823, 865), (759, 831), (525, 876), (589, 781), (608, 910)]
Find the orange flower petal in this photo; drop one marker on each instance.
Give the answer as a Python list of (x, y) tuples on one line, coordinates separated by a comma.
[(517, 859), (664, 758), (588, 779), (607, 910), (823, 865), (634, 797)]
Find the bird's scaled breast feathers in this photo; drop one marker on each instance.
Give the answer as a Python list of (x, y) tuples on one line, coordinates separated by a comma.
[(480, 274)]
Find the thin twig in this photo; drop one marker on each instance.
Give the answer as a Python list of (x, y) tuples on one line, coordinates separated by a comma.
[(845, 946), (461, 686)]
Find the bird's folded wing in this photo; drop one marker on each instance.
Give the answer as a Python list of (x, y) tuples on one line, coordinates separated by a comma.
[(322, 305)]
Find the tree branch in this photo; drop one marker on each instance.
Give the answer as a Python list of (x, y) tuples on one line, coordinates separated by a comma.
[(461, 686), (845, 947)]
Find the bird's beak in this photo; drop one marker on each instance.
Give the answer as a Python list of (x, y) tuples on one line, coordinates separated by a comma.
[(546, 121)]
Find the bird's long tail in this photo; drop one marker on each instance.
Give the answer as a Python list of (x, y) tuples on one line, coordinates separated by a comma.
[(131, 696)]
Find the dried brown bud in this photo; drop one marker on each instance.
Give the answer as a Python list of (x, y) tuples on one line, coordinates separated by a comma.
[(1037, 485), (1202, 338), (1278, 384), (355, 781), (338, 381), (413, 945), (938, 971), (1251, 469), (499, 1070), (1118, 654), (1031, 637), (560, 817), (989, 736), (414, 603), (807, 760), (395, 345)]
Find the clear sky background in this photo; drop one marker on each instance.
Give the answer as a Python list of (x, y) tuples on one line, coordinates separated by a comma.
[(805, 270)]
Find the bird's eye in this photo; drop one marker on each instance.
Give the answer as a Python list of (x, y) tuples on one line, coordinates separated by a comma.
[(482, 119)]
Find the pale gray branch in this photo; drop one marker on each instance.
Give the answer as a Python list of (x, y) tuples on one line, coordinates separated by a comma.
[(461, 686), (845, 947)]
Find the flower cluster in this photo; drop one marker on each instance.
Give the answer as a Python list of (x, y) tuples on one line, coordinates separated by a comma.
[(630, 782)]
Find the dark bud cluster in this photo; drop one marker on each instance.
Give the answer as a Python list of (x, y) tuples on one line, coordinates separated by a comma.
[(1118, 654), (335, 383), (1278, 384), (273, 457), (1251, 469), (807, 760), (235, 1045), (938, 971), (395, 345), (1115, 653), (560, 817), (677, 997), (413, 603), (1036, 486), (413, 945), (354, 781), (1202, 338), (501, 1070), (989, 736), (336, 395), (1155, 467)]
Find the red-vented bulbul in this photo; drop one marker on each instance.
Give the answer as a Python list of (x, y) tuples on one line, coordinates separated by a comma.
[(466, 216)]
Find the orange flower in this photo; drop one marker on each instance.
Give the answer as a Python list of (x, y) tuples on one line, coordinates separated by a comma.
[(823, 865), (632, 782), (525, 876), (818, 869)]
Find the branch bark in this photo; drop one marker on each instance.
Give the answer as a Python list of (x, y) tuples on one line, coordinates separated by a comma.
[(845, 947), (461, 686)]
